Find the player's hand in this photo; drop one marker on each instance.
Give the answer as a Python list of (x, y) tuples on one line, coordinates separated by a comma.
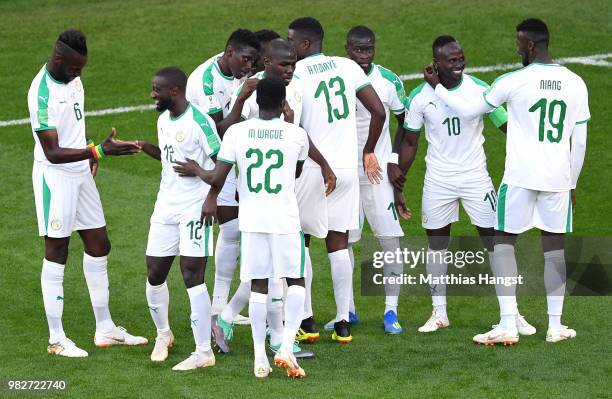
[(93, 166), (329, 179), (400, 205), (372, 168), (248, 87), (431, 76), (112, 146), (287, 112), (573, 199), (396, 176), (188, 168), (209, 210)]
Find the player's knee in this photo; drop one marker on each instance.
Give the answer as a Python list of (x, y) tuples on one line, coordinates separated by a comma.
[(229, 231), (193, 277), (296, 281), (155, 277), (260, 286), (56, 250), (99, 248)]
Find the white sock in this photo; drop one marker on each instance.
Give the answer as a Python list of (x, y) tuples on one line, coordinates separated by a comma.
[(96, 276), (226, 260), (308, 279), (158, 300), (504, 264), (342, 278), (275, 310), (352, 297), (393, 269), (437, 267), (295, 302), (51, 282), (237, 303), (257, 315), (200, 316), (554, 281)]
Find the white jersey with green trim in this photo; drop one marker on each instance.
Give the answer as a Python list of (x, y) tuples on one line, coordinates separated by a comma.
[(209, 89), (329, 105), (294, 98), (545, 102), (56, 105), (454, 144), (191, 135), (390, 89), (266, 153)]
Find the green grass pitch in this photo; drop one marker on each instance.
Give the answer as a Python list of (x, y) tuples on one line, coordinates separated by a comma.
[(128, 41)]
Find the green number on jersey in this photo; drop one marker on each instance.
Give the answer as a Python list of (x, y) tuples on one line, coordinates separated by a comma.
[(558, 124), (169, 151), (77, 112), (267, 178), (453, 125), (195, 230), (323, 88)]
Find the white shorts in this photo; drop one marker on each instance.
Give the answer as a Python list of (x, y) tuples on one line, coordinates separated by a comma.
[(521, 209), (266, 255), (376, 204), (179, 232), (440, 205), (227, 196), (310, 193), (65, 201)]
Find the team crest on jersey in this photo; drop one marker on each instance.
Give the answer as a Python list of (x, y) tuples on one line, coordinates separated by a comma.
[(180, 136), (297, 96), (56, 224), (78, 85), (424, 218)]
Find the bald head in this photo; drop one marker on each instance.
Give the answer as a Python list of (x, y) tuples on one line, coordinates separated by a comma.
[(279, 60), (278, 48)]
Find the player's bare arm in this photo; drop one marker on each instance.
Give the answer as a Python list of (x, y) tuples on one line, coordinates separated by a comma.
[(288, 112), (248, 87), (370, 100), (190, 168), (397, 177), (329, 178), (209, 208), (150, 149), (57, 155)]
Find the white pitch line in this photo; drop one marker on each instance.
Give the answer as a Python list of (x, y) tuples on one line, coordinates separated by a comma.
[(595, 60)]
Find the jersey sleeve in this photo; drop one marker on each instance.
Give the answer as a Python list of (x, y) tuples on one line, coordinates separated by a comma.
[(498, 116), (209, 103), (499, 92), (360, 78), (245, 113), (210, 140), (43, 112), (304, 151), (397, 99), (227, 153), (413, 119), (584, 114)]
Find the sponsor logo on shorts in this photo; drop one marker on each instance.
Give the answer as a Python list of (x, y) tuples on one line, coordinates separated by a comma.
[(180, 136), (56, 224)]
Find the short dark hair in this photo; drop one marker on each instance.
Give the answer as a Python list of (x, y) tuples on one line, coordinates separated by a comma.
[(74, 39), (360, 32), (241, 38), (536, 30), (310, 27), (270, 93), (265, 36), (175, 76), (441, 41)]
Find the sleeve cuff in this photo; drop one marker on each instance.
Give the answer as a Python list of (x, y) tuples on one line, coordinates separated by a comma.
[(225, 160), (362, 86), (584, 121)]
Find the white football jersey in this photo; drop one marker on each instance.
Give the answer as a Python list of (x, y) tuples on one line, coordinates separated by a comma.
[(266, 153), (329, 105), (390, 89), (294, 98), (191, 135), (454, 144), (209, 89), (545, 102), (60, 106)]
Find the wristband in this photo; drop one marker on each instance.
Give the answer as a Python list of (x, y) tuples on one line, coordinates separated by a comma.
[(90, 143), (97, 151), (394, 158)]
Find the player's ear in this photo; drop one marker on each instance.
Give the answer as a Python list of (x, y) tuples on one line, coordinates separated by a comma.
[(267, 61)]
